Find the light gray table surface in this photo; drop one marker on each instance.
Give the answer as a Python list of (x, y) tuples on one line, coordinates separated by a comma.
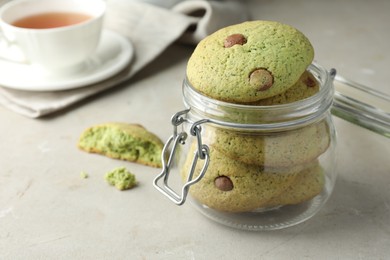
[(48, 212)]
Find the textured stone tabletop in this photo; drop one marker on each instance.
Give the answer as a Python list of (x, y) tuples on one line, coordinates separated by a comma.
[(47, 211)]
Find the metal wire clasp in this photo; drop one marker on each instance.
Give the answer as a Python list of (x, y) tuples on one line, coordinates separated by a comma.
[(202, 153)]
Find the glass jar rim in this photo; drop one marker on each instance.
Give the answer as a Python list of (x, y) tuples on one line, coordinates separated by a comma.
[(288, 115)]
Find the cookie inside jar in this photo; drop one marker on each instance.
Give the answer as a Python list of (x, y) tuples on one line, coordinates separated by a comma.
[(249, 171)]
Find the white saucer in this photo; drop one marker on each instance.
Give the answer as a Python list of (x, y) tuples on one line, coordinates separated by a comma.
[(112, 55)]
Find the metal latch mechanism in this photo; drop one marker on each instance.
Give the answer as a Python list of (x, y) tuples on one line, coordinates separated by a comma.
[(202, 153)]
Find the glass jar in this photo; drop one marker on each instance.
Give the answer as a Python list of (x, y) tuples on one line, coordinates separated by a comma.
[(253, 167)]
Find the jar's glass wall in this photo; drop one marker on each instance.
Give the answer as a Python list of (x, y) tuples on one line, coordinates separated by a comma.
[(262, 181), (269, 167)]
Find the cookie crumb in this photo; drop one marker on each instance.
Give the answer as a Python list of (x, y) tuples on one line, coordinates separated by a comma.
[(84, 175), (121, 178)]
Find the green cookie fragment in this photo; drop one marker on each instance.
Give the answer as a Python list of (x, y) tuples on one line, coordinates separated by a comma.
[(121, 178), (84, 175), (130, 142)]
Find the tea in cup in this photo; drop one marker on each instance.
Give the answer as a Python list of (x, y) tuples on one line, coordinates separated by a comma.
[(57, 36)]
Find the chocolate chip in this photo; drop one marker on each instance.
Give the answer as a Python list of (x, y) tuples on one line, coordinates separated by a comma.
[(234, 39), (310, 82), (261, 78), (223, 183)]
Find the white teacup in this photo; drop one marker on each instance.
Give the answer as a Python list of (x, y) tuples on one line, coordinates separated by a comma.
[(61, 48)]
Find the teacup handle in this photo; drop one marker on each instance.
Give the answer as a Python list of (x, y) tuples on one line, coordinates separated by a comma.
[(9, 50)]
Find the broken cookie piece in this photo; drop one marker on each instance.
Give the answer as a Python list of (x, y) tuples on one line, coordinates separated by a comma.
[(130, 142)]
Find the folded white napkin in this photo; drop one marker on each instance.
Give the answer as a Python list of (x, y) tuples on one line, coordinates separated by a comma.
[(141, 23)]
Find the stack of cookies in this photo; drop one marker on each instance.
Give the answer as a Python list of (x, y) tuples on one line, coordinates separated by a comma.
[(257, 63)]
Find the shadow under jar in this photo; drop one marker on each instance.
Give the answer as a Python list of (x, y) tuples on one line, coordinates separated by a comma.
[(253, 167)]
